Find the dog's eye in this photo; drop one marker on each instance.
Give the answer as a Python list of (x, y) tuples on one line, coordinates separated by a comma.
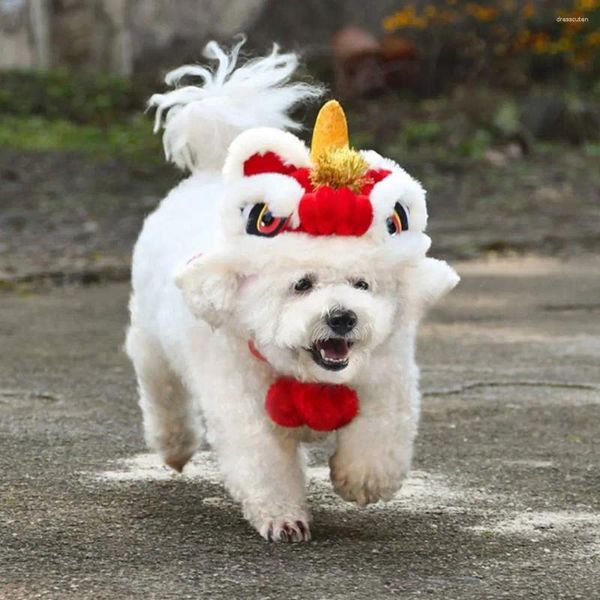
[(303, 285), (361, 284), (398, 220), (262, 222)]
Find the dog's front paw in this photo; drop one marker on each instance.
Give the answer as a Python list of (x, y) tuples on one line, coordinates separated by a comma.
[(357, 479), (292, 526), (285, 529)]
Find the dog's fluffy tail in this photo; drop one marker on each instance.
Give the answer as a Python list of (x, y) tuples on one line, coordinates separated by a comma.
[(201, 121)]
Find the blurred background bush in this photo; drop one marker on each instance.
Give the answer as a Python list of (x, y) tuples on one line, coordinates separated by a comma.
[(494, 105)]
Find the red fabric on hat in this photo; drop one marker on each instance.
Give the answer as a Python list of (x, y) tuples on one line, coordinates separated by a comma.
[(320, 406), (302, 176), (267, 162), (363, 214), (373, 176)]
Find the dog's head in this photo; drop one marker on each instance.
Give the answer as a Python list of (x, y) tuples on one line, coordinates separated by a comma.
[(318, 316)]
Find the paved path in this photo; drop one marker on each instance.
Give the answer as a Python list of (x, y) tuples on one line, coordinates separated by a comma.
[(503, 503)]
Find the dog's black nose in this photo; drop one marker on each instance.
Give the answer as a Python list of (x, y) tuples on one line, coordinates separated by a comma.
[(342, 321)]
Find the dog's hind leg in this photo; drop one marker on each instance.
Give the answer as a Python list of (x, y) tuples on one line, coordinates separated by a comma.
[(165, 402)]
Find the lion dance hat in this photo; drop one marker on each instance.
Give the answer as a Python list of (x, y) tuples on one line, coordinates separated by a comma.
[(276, 187)]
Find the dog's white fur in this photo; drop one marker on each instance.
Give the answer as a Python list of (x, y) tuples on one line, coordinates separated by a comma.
[(191, 319)]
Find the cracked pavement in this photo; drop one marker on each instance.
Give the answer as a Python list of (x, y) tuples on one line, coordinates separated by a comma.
[(503, 501)]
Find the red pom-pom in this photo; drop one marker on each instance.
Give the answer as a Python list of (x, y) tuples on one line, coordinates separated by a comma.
[(327, 210), (323, 407), (269, 162), (281, 404), (335, 212), (363, 215), (345, 224)]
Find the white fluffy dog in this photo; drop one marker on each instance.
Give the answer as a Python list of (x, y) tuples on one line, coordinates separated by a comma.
[(276, 295)]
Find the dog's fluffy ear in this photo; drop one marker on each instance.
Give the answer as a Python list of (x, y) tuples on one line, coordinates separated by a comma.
[(428, 282), (265, 150), (209, 286)]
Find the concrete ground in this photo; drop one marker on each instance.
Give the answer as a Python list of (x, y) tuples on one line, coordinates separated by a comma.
[(503, 501)]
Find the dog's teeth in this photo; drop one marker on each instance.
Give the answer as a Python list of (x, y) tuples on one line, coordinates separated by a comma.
[(322, 352)]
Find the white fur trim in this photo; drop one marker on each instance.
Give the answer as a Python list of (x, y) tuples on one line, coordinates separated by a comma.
[(248, 254), (399, 186), (259, 141), (376, 161)]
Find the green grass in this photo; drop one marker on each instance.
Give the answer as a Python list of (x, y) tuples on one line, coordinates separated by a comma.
[(132, 138)]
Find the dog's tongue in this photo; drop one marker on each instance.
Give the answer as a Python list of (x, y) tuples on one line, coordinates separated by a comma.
[(334, 348)]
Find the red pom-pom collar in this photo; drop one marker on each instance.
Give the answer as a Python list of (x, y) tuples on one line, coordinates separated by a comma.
[(320, 406)]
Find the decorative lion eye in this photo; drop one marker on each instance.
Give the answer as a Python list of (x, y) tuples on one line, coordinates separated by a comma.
[(398, 221), (303, 285), (361, 284), (262, 222)]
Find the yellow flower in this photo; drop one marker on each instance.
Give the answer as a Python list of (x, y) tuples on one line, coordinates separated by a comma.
[(587, 5), (396, 21), (430, 11), (481, 13), (528, 10), (407, 17), (564, 44), (593, 39), (389, 23), (540, 43)]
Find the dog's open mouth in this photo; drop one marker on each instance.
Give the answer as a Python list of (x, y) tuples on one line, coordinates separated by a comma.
[(332, 354)]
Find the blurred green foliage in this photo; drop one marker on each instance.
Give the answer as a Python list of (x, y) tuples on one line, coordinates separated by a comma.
[(592, 149), (476, 145), (55, 110), (417, 132), (104, 116), (131, 138), (59, 95)]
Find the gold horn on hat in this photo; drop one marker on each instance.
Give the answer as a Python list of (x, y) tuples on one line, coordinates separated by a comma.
[(331, 130), (335, 164)]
